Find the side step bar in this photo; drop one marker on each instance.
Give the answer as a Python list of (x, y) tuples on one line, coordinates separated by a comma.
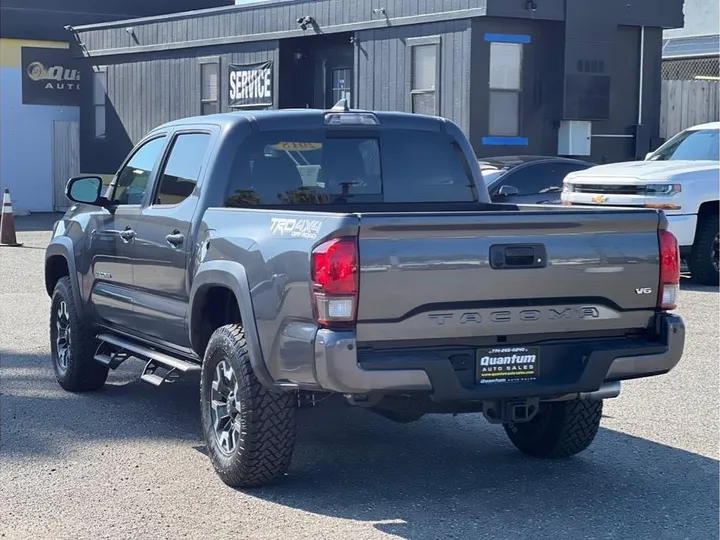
[(114, 350)]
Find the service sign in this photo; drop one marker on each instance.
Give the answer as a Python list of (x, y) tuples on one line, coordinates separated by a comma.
[(251, 85), (49, 77)]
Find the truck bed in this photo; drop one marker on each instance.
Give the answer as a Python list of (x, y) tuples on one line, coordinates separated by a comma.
[(427, 275)]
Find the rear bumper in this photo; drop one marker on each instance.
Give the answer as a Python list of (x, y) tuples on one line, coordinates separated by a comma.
[(568, 367)]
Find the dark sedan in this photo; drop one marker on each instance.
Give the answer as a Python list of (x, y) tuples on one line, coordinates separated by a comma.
[(528, 179)]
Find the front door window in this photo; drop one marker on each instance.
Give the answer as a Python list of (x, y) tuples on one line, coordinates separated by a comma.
[(341, 85)]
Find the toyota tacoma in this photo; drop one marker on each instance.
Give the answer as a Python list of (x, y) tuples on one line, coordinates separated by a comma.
[(292, 254)]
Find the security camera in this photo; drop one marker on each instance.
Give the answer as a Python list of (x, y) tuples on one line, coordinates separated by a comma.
[(130, 30), (305, 21)]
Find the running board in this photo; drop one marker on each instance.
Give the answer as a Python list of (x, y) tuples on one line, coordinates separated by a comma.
[(155, 360)]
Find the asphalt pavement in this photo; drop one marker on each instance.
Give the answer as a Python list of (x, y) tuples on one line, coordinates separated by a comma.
[(129, 461)]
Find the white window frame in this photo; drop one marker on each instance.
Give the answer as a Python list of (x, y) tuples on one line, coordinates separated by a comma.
[(213, 60), (99, 108), (410, 70), (497, 90)]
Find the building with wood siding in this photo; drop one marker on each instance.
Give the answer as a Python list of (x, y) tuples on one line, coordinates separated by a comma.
[(40, 88), (519, 76)]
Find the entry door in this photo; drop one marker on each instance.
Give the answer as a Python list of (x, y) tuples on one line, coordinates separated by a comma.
[(65, 160), (163, 242), (334, 76)]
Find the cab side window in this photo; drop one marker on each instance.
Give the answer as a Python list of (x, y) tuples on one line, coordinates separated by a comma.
[(132, 180), (182, 169)]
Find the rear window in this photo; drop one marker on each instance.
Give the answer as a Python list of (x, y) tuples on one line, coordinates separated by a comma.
[(317, 167)]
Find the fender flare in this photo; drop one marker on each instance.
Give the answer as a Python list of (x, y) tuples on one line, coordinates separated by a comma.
[(233, 276), (62, 246)]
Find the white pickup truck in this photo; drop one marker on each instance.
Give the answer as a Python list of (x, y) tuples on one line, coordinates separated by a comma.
[(682, 177)]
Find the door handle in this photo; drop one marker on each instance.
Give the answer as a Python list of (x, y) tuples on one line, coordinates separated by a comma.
[(175, 239), (127, 235)]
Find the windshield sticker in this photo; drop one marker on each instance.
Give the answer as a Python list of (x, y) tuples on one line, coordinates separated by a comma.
[(295, 228), (297, 146)]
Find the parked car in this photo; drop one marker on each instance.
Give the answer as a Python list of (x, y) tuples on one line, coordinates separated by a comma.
[(381, 274), (528, 179), (682, 177)]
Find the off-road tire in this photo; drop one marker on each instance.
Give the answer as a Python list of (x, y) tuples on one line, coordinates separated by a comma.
[(82, 372), (267, 418), (561, 429), (700, 261)]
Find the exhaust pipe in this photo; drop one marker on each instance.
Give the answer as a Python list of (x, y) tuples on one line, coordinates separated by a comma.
[(606, 391)]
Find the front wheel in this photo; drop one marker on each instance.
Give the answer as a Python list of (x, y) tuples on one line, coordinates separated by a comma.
[(560, 429), (249, 430), (704, 262), (73, 343)]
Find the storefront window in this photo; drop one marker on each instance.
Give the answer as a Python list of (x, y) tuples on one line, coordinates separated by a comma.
[(505, 88), (99, 96), (209, 83), (341, 85), (424, 68)]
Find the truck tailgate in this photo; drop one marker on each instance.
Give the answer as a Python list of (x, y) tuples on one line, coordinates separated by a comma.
[(426, 276)]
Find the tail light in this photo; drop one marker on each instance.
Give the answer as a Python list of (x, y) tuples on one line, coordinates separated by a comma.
[(334, 281), (669, 270)]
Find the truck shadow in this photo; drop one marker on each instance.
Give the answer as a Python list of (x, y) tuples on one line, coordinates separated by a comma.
[(37, 222), (441, 477), (459, 477), (687, 284)]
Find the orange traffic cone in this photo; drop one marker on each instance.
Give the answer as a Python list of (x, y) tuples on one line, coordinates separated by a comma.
[(7, 223)]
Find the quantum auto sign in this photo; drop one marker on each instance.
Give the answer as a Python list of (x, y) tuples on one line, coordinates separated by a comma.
[(251, 85), (49, 77)]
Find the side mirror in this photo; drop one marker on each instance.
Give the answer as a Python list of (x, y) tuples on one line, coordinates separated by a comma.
[(647, 156), (85, 190), (508, 191)]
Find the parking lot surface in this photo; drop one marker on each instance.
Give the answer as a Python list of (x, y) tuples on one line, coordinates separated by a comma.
[(129, 462)]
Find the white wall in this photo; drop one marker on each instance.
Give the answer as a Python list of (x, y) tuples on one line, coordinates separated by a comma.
[(26, 136), (702, 17)]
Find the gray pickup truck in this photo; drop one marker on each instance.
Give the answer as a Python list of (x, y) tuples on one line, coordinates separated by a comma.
[(295, 254)]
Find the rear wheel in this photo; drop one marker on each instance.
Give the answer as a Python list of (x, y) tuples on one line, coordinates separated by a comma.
[(560, 429), (73, 343), (704, 262), (249, 430)]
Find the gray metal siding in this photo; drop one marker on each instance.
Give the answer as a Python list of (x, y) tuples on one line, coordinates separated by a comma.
[(383, 68), (45, 19), (143, 93), (660, 13), (542, 87), (278, 19), (543, 72), (243, 22)]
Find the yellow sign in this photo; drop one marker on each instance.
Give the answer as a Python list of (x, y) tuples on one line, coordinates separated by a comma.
[(297, 146), (599, 199)]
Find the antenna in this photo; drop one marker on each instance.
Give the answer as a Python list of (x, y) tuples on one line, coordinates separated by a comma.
[(341, 106)]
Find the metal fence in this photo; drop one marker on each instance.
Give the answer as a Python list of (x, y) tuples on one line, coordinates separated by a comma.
[(689, 69)]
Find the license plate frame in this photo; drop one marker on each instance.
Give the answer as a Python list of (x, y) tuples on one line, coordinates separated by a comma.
[(507, 365)]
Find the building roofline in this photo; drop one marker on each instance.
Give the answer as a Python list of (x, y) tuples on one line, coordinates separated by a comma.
[(685, 47), (182, 15), (282, 34)]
